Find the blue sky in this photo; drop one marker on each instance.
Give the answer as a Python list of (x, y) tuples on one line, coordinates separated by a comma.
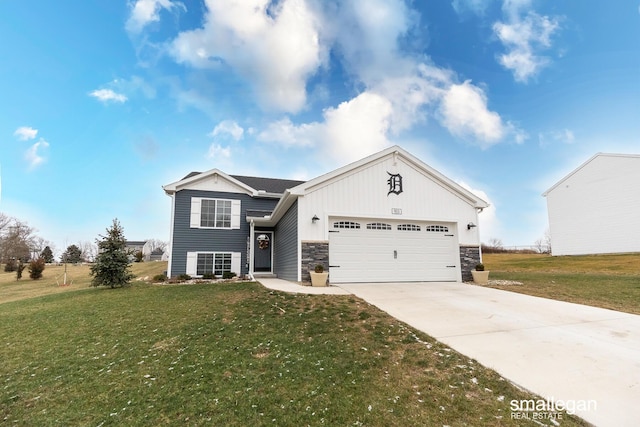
[(104, 101)]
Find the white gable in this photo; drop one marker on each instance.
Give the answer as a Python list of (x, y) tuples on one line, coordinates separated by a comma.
[(213, 180), (363, 191)]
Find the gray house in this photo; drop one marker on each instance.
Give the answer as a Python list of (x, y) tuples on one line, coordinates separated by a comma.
[(387, 217)]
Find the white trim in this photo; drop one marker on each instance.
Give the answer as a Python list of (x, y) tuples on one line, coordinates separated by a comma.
[(170, 248), (252, 236), (196, 212), (235, 214)]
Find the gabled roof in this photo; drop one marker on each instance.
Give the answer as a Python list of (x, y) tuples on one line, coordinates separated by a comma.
[(474, 200), (292, 194), (270, 185), (579, 168), (251, 184)]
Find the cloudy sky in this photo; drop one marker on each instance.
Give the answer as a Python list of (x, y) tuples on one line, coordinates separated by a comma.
[(104, 101)]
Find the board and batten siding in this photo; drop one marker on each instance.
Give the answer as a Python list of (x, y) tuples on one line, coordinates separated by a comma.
[(595, 209), (286, 245), (187, 239), (363, 194)]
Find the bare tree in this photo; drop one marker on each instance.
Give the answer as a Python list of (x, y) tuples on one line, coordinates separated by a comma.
[(153, 244), (89, 251), (16, 239)]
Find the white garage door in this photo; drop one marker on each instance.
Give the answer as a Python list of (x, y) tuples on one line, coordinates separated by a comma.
[(392, 251)]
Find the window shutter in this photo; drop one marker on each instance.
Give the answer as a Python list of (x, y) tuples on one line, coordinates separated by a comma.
[(192, 263), (196, 212), (235, 214), (235, 262)]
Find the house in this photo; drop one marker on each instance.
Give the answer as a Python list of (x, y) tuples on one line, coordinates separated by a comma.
[(386, 218), (135, 246), (595, 209)]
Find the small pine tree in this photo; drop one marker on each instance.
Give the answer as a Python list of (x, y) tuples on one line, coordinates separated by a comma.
[(47, 255), (138, 256), (111, 267), (72, 255), (36, 267)]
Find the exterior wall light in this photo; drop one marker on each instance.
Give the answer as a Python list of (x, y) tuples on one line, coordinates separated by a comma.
[(314, 219), (470, 226)]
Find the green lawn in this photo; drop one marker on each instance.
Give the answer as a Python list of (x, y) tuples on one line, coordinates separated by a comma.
[(233, 355), (608, 281)]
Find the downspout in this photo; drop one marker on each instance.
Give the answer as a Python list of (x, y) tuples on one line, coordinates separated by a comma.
[(252, 237)]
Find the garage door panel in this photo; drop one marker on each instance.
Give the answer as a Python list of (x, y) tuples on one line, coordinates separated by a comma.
[(366, 255)]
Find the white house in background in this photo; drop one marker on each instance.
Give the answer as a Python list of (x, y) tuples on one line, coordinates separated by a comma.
[(386, 218), (596, 208)]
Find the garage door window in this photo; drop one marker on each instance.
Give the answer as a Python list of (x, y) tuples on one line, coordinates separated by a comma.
[(378, 226), (408, 227), (346, 224), (436, 229)]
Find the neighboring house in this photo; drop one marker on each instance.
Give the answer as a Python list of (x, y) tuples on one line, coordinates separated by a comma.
[(155, 255), (135, 246), (386, 218), (596, 208)]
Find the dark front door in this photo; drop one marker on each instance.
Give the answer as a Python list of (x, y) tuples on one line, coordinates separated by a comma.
[(262, 252)]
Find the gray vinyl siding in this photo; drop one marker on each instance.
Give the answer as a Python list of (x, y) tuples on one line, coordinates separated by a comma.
[(286, 245), (187, 239)]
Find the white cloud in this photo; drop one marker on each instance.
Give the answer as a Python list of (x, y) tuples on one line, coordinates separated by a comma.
[(218, 152), (353, 129), (464, 111), (33, 154), (476, 6), (524, 37), (275, 47), (228, 127), (107, 95), (144, 12), (25, 133), (564, 136)]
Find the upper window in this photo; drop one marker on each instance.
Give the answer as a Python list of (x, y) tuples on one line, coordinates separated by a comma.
[(408, 227), (437, 228), (346, 224), (215, 213), (378, 226)]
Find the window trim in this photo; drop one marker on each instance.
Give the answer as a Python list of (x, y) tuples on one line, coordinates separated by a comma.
[(196, 213), (192, 262)]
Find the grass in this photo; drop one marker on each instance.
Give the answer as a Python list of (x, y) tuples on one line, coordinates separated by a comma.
[(607, 281), (233, 354), (52, 282)]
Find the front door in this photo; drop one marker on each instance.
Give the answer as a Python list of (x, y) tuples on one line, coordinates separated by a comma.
[(263, 251)]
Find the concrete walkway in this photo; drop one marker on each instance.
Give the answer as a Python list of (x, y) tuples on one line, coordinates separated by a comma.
[(561, 351), (295, 288)]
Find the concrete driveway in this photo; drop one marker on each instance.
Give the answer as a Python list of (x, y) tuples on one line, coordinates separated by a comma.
[(582, 355)]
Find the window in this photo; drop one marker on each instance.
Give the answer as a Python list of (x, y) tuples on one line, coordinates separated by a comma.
[(408, 227), (215, 213), (208, 262), (216, 263), (378, 226), (437, 228), (345, 224)]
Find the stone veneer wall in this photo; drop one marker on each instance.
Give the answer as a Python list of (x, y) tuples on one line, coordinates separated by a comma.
[(469, 258), (313, 253)]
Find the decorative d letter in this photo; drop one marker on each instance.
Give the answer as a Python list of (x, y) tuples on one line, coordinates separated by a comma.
[(395, 183)]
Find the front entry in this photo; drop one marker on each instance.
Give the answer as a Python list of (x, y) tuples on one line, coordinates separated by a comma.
[(263, 252)]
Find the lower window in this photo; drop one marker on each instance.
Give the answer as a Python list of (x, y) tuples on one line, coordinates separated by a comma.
[(213, 263)]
